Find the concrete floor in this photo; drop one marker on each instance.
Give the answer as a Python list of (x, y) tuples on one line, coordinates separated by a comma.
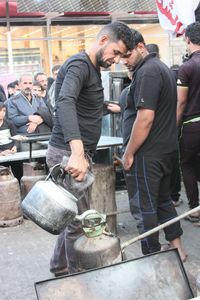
[(191, 239), (26, 249)]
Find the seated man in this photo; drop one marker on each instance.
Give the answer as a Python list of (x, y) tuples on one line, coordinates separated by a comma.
[(7, 130), (7, 146), (28, 113)]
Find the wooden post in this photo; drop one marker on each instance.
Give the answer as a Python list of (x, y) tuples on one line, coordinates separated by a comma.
[(103, 193)]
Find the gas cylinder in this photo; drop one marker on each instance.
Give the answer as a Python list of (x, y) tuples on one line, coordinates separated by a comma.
[(96, 247), (10, 199), (32, 172)]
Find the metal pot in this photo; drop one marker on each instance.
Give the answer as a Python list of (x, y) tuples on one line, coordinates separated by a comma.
[(49, 205)]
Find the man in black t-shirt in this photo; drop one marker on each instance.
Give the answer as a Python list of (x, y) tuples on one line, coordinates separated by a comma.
[(188, 113), (77, 123), (151, 146)]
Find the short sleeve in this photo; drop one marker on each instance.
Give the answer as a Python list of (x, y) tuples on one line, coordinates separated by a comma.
[(148, 92), (183, 78)]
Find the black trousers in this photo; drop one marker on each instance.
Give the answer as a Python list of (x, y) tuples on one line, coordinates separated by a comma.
[(189, 150), (148, 184), (176, 180)]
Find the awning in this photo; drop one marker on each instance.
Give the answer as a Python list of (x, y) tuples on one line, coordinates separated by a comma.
[(12, 9), (39, 8), (86, 5)]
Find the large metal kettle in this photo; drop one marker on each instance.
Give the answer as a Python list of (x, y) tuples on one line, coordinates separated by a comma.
[(49, 205)]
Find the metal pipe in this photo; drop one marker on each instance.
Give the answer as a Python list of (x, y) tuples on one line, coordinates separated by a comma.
[(9, 40), (115, 156), (49, 46), (114, 213), (168, 223)]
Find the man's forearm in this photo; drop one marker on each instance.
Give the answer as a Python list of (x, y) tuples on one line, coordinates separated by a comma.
[(140, 130), (77, 147), (77, 165), (179, 112), (139, 134), (182, 94)]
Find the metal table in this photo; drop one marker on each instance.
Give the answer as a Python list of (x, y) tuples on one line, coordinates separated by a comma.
[(105, 142), (30, 139)]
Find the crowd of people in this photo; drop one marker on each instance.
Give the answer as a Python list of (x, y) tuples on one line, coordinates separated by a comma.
[(28, 106), (26, 109), (151, 118)]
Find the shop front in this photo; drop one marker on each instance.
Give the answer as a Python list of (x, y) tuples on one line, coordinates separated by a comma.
[(34, 42)]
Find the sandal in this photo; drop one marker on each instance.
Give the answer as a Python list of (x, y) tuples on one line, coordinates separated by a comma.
[(197, 224), (61, 272), (192, 219), (165, 247)]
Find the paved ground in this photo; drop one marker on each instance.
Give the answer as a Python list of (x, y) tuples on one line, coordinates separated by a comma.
[(26, 249), (191, 239)]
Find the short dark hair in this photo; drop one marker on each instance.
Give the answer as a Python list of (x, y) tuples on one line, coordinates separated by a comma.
[(38, 74), (193, 33), (37, 83), (152, 48), (174, 67), (118, 31), (11, 85), (137, 37), (16, 82), (2, 105), (55, 68)]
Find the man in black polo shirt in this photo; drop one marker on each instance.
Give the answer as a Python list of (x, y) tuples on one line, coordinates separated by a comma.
[(151, 146), (188, 113), (77, 125)]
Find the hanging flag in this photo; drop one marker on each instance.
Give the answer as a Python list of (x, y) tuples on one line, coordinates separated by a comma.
[(197, 13), (175, 15)]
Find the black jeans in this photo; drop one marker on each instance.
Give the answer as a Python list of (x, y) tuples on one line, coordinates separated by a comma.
[(148, 184)]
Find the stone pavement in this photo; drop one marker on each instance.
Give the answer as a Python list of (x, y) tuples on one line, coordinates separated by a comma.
[(26, 249)]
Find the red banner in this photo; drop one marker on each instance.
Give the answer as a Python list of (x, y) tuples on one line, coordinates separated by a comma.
[(175, 15)]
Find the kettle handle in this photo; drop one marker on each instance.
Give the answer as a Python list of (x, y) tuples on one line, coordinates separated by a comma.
[(54, 172), (58, 169), (89, 212)]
